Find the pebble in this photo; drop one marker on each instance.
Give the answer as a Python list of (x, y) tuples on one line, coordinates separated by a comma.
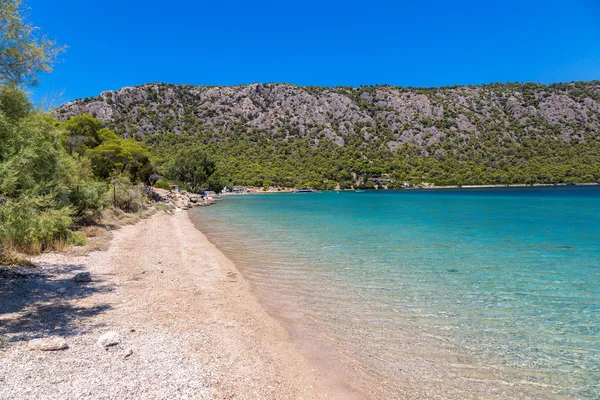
[(83, 277), (109, 339), (48, 344)]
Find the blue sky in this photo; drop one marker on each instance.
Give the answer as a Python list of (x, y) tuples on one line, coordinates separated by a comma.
[(327, 43)]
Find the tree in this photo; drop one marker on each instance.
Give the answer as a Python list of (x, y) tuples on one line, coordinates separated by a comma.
[(42, 188), (195, 168), (82, 132), (116, 155), (25, 52)]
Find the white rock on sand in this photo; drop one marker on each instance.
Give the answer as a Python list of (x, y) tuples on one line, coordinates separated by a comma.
[(48, 344), (109, 339)]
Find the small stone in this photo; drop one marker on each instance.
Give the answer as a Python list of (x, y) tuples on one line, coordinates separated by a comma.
[(48, 344), (132, 330), (61, 290), (83, 277), (109, 339), (127, 353)]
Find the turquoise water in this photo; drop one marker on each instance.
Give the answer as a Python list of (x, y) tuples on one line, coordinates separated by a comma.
[(489, 291)]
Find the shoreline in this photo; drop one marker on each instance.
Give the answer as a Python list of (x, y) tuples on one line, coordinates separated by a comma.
[(187, 318), (331, 387), (516, 185)]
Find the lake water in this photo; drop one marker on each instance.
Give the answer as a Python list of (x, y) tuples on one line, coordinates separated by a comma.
[(456, 293)]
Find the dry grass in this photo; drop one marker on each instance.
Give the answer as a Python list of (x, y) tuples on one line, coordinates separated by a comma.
[(114, 218), (99, 235), (94, 237), (93, 231), (96, 243), (60, 246), (11, 257)]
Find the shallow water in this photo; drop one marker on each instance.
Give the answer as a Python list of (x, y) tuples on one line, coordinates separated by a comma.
[(491, 290)]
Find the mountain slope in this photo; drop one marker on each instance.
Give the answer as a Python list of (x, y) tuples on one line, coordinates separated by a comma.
[(512, 133)]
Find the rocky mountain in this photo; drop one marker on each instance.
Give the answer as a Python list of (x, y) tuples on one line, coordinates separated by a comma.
[(461, 121), (415, 116)]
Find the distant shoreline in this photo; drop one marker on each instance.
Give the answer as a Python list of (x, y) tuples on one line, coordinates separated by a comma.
[(516, 185)]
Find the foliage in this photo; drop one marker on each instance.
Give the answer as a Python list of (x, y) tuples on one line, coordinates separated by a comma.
[(122, 156), (24, 51), (34, 223), (108, 153), (82, 132), (124, 195), (503, 147), (162, 184), (194, 167), (42, 188)]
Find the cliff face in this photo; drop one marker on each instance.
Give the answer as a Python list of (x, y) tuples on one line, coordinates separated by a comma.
[(391, 115)]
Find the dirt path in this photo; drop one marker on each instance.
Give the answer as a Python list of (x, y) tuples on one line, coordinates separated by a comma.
[(191, 322)]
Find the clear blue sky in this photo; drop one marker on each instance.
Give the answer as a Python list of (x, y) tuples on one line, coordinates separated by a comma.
[(409, 43)]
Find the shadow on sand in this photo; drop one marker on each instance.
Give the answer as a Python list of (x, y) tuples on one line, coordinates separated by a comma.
[(31, 305)]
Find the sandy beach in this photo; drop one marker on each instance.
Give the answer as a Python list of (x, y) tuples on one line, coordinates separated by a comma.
[(187, 325)]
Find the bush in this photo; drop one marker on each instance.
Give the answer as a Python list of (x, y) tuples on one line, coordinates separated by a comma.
[(89, 199), (78, 239), (162, 184), (124, 195), (32, 225), (42, 188)]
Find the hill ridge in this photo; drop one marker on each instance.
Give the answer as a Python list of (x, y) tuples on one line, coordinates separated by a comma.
[(469, 124)]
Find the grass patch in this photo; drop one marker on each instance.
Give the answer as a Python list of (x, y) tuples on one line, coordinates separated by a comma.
[(93, 231), (11, 257)]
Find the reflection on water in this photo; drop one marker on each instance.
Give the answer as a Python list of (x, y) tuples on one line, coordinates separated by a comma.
[(455, 293)]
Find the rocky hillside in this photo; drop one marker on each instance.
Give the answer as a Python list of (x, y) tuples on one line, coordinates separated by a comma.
[(416, 116), (496, 126)]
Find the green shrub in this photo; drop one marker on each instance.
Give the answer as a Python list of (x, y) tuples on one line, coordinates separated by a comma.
[(42, 188), (32, 225), (125, 196), (162, 184), (89, 199), (78, 239)]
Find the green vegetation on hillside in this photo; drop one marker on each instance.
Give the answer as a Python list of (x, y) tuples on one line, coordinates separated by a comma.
[(262, 160), (291, 136)]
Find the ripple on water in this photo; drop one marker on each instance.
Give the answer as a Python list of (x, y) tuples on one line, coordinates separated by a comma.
[(488, 291)]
